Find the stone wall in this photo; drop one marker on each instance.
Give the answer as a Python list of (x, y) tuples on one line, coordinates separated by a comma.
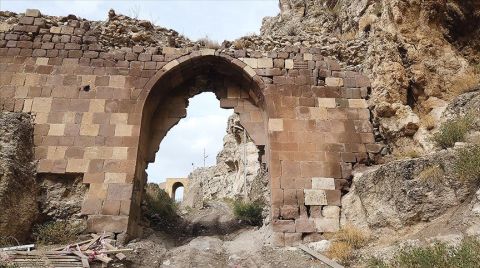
[(102, 112)]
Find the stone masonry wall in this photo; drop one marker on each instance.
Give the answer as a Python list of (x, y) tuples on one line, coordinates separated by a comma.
[(94, 111)]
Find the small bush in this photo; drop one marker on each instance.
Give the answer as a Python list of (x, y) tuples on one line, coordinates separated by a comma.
[(374, 262), (57, 232), (453, 130), (345, 242), (159, 204), (351, 235), (341, 252), (250, 212), (467, 163)]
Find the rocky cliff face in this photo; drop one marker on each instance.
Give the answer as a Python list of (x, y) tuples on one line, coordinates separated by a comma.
[(18, 187), (238, 162), (418, 54)]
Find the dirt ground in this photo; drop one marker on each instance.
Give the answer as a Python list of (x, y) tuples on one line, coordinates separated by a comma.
[(211, 237), (244, 248)]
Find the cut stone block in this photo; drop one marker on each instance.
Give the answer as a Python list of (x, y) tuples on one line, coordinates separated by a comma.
[(265, 63), (304, 225), (324, 225), (331, 212), (288, 64), (334, 82), (315, 197), (327, 102), (323, 183), (357, 103), (275, 124), (284, 226), (289, 212), (32, 13), (293, 239)]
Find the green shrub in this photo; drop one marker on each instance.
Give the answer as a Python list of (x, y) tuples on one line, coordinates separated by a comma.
[(250, 212), (467, 163), (453, 130), (376, 263), (159, 204), (57, 232), (439, 255)]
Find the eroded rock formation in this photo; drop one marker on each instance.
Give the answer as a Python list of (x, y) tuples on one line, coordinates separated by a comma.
[(238, 162), (18, 188)]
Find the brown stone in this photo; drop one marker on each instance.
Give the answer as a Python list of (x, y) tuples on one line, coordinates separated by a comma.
[(289, 212), (293, 239), (284, 226)]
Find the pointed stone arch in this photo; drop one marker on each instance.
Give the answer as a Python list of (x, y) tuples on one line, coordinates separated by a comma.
[(165, 99)]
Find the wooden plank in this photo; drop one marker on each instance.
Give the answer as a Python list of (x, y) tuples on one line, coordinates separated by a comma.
[(103, 259), (72, 245), (321, 257), (115, 251), (93, 241), (24, 247), (119, 256), (84, 258)]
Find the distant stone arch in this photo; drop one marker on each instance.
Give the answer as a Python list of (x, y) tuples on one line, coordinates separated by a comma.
[(172, 184)]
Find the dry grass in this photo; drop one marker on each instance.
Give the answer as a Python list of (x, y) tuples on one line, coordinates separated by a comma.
[(348, 36), (353, 236), (428, 122), (345, 242), (240, 44), (435, 172), (406, 153), (57, 232), (464, 84), (340, 251), (208, 43)]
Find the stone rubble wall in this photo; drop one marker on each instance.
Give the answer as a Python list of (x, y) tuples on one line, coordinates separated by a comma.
[(102, 113)]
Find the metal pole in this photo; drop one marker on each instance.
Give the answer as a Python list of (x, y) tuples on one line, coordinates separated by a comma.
[(245, 163)]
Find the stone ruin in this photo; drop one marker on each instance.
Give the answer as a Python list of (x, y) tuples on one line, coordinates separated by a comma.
[(101, 112)]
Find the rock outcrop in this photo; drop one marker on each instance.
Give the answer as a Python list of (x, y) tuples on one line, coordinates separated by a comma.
[(18, 188), (405, 192), (237, 163)]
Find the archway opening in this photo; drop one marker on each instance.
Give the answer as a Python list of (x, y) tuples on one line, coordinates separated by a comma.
[(168, 98), (178, 191)]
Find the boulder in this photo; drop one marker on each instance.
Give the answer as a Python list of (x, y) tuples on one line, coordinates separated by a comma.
[(405, 192)]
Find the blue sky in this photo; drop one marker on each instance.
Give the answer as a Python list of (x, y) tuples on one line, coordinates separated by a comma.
[(220, 20)]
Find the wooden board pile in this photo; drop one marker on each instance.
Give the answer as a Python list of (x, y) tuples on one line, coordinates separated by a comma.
[(81, 254)]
